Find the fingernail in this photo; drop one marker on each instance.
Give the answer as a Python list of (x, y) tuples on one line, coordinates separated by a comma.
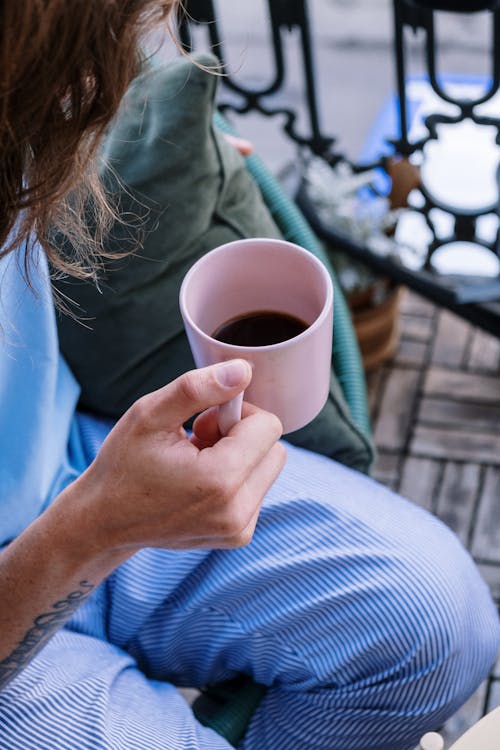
[(233, 373)]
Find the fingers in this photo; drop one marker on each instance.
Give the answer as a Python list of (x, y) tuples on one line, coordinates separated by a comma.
[(196, 391), (206, 428), (241, 513), (245, 446), (248, 502), (240, 144), (251, 459)]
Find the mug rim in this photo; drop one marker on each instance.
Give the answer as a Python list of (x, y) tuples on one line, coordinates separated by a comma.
[(281, 344)]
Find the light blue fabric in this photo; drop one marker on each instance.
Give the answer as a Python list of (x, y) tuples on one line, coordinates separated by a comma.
[(362, 613), (38, 396)]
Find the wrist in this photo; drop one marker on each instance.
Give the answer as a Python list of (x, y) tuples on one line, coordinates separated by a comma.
[(74, 521)]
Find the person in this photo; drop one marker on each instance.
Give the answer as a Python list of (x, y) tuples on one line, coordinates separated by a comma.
[(135, 557)]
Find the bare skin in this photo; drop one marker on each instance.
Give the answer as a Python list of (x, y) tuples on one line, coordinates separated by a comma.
[(150, 486), (240, 144)]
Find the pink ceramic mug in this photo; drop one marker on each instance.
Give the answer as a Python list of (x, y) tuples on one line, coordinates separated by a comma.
[(290, 378)]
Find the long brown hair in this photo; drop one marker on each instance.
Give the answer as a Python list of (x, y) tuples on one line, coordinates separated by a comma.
[(64, 67)]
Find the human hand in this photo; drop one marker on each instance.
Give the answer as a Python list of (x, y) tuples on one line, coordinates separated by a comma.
[(152, 486), (240, 144)]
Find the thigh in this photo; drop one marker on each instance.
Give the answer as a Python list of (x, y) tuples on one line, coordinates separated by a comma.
[(82, 692), (356, 607), (335, 555)]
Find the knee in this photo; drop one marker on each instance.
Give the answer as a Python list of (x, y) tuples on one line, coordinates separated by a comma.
[(454, 627)]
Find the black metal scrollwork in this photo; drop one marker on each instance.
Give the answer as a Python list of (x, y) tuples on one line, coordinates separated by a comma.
[(284, 15), (292, 15), (411, 13)]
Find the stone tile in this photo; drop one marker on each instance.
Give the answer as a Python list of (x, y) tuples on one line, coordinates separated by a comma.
[(411, 353), (486, 539), (375, 382), (457, 497), (451, 340), (413, 304), (493, 697), (416, 327), (434, 442), (396, 409), (459, 414), (462, 386), (496, 669), (491, 574), (386, 469), (419, 479), (484, 352)]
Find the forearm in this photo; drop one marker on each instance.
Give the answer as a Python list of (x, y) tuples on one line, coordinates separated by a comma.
[(149, 486), (45, 575)]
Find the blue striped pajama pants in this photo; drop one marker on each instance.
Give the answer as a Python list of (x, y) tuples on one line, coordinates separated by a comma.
[(362, 613)]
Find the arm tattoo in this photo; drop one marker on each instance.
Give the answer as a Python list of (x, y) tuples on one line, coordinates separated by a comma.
[(44, 626)]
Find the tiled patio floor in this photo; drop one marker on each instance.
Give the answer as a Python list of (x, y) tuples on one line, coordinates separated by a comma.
[(436, 420)]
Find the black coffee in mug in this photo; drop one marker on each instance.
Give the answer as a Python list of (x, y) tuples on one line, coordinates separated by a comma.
[(259, 328)]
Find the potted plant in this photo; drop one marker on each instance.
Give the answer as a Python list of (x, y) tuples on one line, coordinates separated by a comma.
[(374, 302), (344, 201)]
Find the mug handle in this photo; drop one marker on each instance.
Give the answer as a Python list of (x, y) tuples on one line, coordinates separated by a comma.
[(229, 414)]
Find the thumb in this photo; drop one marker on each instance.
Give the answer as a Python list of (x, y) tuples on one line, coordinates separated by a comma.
[(197, 390)]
